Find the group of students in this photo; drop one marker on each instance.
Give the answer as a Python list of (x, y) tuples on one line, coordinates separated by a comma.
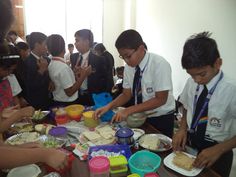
[(208, 98)]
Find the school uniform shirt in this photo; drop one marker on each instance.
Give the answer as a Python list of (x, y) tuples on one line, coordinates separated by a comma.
[(221, 108), (156, 77), (63, 77), (84, 63), (15, 86)]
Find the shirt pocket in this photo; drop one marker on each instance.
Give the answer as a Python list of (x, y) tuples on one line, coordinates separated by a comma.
[(148, 89)]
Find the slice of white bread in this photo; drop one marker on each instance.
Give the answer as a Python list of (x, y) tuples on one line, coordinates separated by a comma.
[(183, 161), (91, 135)]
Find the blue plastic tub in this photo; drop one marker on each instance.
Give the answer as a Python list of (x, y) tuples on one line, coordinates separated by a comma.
[(143, 162)]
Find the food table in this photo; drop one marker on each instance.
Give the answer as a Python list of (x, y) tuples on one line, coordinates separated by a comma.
[(80, 168)]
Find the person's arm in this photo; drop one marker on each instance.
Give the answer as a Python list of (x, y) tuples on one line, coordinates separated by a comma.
[(180, 137), (159, 100), (82, 74), (209, 156), (13, 157), (14, 117), (123, 98)]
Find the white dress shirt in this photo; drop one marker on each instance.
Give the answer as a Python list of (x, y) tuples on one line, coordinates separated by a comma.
[(156, 77), (221, 108)]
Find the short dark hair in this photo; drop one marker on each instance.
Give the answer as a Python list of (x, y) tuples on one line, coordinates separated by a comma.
[(55, 44), (6, 13), (129, 39), (99, 47), (85, 34), (70, 45), (199, 50), (12, 33), (22, 46), (36, 37), (8, 56)]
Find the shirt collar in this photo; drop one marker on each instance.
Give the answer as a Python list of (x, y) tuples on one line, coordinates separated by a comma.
[(36, 56), (144, 61), (212, 82), (85, 55)]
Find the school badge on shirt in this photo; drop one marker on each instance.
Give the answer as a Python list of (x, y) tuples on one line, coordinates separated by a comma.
[(149, 90), (215, 122)]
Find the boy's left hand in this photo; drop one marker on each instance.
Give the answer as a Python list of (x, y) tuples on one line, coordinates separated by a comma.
[(208, 157)]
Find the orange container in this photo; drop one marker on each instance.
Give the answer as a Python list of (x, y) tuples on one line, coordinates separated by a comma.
[(61, 119), (74, 111)]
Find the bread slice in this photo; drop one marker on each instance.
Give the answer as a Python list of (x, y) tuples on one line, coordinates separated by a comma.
[(183, 161), (91, 135)]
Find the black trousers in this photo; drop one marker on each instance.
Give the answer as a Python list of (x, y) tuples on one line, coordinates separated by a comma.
[(164, 123), (85, 99), (223, 165)]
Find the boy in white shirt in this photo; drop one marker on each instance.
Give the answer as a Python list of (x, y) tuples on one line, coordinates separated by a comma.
[(206, 125)]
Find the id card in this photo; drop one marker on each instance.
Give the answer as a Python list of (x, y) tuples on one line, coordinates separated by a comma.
[(191, 150)]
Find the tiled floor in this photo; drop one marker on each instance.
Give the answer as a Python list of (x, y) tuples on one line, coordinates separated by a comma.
[(233, 169)]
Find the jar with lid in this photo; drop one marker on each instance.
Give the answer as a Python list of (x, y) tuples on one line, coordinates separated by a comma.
[(125, 136), (99, 166)]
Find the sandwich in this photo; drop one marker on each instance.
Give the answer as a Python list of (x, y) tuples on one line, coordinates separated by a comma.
[(183, 161)]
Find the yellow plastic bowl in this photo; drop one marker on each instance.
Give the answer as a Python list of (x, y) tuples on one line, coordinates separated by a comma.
[(89, 121), (74, 111)]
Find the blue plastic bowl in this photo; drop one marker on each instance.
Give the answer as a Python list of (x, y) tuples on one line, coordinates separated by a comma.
[(143, 162)]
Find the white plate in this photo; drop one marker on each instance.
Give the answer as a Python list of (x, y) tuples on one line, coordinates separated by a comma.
[(168, 162), (165, 142), (22, 138), (25, 171), (137, 133)]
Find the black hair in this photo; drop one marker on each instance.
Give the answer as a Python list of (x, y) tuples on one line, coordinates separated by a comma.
[(99, 47), (36, 37), (6, 14), (120, 69), (55, 44), (129, 39), (86, 34), (70, 45), (199, 50), (12, 33), (22, 46), (8, 56)]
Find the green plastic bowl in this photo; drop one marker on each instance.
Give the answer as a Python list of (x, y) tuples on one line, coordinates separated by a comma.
[(143, 162)]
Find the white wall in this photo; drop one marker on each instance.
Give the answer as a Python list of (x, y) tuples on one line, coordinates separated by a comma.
[(166, 24)]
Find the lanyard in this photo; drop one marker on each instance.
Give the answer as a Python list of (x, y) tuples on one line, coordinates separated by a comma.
[(206, 101), (58, 59), (137, 86)]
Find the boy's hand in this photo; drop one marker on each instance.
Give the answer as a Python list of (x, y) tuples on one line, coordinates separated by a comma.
[(120, 116), (26, 112), (56, 159), (100, 111), (179, 140), (208, 157)]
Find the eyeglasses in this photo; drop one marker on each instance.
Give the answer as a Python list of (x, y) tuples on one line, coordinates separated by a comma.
[(128, 56)]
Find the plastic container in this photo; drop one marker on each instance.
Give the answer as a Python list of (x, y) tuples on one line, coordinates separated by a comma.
[(151, 175), (75, 111), (133, 175), (118, 166), (117, 148), (60, 132), (101, 100), (125, 136), (99, 166), (143, 162), (89, 121), (136, 120)]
